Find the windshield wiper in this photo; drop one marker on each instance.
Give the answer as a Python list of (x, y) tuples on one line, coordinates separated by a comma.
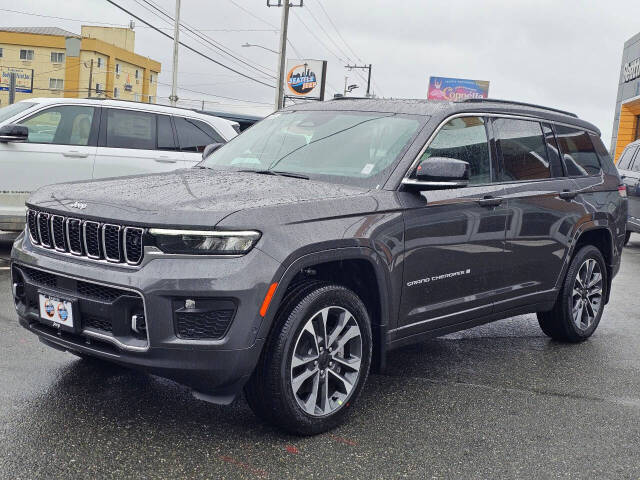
[(277, 172)]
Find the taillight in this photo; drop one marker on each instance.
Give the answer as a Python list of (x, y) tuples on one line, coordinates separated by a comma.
[(622, 190)]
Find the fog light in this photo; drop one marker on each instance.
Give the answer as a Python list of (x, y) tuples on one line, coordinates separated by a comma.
[(138, 323), (189, 304)]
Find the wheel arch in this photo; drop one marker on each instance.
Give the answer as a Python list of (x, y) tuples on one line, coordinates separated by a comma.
[(358, 268), (600, 236)]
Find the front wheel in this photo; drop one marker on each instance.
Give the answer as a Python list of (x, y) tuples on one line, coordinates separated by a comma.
[(315, 361), (580, 304)]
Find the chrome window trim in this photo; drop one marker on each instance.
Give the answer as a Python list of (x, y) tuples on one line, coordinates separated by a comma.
[(124, 245), (39, 232), (53, 237), (534, 118), (104, 243), (101, 336), (84, 239), (66, 226)]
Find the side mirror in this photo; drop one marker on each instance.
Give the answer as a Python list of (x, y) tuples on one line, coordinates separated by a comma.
[(14, 133), (440, 172), (209, 149)]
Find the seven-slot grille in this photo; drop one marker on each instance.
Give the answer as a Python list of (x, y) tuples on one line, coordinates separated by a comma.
[(98, 241)]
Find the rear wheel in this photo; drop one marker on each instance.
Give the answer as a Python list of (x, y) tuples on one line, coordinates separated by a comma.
[(315, 362), (580, 304)]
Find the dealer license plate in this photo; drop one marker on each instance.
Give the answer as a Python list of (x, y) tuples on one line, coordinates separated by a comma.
[(56, 310)]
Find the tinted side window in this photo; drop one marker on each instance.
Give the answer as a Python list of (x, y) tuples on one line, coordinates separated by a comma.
[(625, 159), (194, 135), (577, 151), (523, 149), (130, 129), (62, 125), (166, 139), (464, 139)]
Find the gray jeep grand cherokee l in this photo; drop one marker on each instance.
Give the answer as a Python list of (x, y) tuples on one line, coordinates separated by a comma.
[(293, 258)]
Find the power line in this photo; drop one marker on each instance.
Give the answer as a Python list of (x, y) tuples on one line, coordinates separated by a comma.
[(190, 48), (316, 37), (277, 29), (207, 39), (214, 95), (141, 26), (340, 50), (338, 31)]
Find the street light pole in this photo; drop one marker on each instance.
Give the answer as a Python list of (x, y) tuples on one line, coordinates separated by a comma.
[(260, 46), (176, 43), (284, 26)]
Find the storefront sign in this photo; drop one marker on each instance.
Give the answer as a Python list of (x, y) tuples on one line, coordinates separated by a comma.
[(305, 78), (456, 89), (24, 79), (631, 70)]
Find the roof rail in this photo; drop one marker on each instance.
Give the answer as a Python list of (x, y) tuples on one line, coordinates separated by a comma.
[(494, 100)]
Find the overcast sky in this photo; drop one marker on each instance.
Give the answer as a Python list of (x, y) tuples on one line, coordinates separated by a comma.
[(560, 53)]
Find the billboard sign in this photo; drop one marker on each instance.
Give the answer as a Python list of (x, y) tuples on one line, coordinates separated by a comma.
[(305, 79), (24, 79), (456, 89)]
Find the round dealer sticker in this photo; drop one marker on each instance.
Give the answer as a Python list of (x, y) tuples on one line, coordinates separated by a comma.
[(62, 312), (49, 308)]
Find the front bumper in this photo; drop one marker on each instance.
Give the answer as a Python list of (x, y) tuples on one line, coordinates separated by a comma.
[(215, 368)]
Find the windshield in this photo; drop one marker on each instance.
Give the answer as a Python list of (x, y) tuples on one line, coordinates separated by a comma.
[(355, 148), (14, 109)]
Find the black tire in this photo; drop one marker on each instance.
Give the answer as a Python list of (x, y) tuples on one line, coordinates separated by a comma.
[(627, 237), (559, 323), (269, 391)]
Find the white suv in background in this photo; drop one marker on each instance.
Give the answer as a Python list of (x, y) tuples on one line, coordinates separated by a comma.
[(75, 139)]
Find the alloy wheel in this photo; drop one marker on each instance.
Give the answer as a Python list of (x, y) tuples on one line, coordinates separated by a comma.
[(587, 294), (326, 360)]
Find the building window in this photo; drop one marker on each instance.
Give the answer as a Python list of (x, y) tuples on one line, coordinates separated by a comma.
[(117, 69), (137, 74), (57, 57), (151, 99), (99, 62), (116, 93), (26, 55), (637, 122), (56, 84), (151, 78), (136, 97), (99, 88), (0, 53)]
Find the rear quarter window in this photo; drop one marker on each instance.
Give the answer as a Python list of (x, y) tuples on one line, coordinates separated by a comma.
[(578, 152)]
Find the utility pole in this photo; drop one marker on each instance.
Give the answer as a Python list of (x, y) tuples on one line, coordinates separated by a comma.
[(174, 81), (12, 87), (363, 67), (282, 51), (90, 77)]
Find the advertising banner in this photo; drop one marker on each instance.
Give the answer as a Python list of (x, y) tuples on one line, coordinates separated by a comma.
[(305, 79), (456, 89), (24, 79)]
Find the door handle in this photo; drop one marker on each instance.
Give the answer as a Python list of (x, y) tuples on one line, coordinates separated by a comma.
[(165, 160), (567, 194), (75, 154), (489, 201)]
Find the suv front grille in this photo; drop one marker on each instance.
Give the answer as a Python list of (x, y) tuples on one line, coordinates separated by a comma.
[(95, 240)]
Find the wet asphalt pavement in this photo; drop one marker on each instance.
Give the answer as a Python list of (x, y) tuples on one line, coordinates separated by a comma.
[(498, 401)]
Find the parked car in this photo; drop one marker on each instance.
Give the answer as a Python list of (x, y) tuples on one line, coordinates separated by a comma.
[(629, 168), (52, 140), (298, 254)]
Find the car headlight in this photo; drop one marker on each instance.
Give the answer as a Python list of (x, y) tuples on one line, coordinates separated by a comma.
[(205, 242)]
